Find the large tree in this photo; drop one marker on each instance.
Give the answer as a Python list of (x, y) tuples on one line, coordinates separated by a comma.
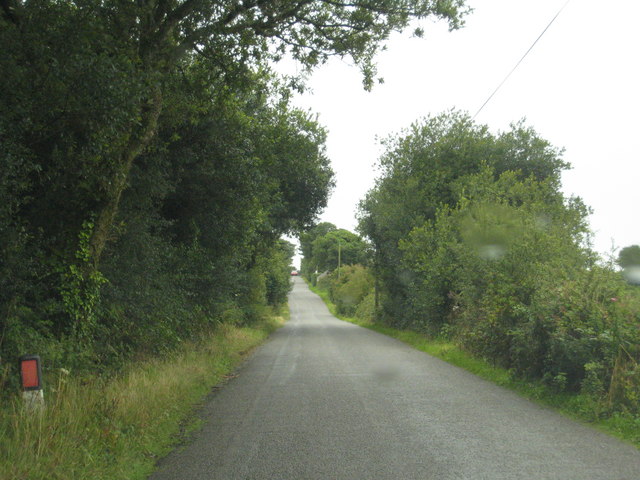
[(142, 44), (143, 140), (338, 247), (421, 172), (307, 239)]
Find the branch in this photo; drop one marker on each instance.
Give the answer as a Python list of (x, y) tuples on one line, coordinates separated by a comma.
[(371, 8), (185, 9), (318, 52), (265, 27), (323, 26), (174, 17), (238, 10)]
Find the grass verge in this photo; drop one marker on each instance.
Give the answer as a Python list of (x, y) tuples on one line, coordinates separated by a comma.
[(117, 428), (579, 407)]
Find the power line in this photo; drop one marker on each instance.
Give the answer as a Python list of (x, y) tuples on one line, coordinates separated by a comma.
[(523, 57)]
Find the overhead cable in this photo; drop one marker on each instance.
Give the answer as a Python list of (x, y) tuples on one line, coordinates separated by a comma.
[(520, 61)]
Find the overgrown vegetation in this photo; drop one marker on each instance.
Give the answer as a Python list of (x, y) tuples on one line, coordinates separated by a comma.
[(324, 247), (151, 161), (117, 428), (581, 406), (474, 243)]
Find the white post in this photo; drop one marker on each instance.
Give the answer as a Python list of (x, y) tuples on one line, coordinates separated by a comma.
[(33, 399)]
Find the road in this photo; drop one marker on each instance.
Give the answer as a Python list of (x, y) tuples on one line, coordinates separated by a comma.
[(325, 399)]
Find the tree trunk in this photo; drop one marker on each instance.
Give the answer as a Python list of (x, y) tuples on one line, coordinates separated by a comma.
[(135, 147)]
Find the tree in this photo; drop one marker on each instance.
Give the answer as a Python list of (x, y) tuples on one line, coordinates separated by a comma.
[(278, 283), (204, 212), (197, 226), (145, 43), (307, 237), (149, 155), (338, 247), (422, 172), (350, 287)]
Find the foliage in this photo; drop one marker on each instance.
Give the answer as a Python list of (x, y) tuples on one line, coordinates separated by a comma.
[(336, 261), (196, 241), (341, 257), (277, 271), (474, 241), (151, 162), (419, 173), (348, 288), (117, 428), (366, 309), (308, 267), (89, 81), (338, 247)]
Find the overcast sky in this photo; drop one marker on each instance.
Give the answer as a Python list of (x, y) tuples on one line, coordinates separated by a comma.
[(579, 88)]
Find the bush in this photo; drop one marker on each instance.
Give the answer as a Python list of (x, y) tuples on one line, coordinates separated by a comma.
[(349, 287), (366, 309), (506, 275), (323, 281)]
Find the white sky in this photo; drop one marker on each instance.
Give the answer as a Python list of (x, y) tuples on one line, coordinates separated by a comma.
[(578, 87)]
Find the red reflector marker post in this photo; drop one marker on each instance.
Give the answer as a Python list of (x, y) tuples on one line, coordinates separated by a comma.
[(31, 379)]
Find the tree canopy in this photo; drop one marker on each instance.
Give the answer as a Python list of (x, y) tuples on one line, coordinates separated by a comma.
[(474, 241), (338, 247), (425, 170), (151, 160)]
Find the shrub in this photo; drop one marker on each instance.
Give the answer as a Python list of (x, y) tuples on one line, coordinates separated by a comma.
[(506, 275), (366, 309), (349, 286)]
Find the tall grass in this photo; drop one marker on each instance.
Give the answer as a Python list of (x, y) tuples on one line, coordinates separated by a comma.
[(117, 428)]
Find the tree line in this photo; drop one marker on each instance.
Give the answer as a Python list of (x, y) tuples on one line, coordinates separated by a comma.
[(471, 239), (152, 160)]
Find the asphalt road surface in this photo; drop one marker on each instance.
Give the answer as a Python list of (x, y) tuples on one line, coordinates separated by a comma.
[(324, 399)]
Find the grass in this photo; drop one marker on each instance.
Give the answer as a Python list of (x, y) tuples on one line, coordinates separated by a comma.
[(116, 429), (577, 406)]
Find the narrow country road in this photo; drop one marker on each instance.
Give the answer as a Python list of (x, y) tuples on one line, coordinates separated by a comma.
[(324, 399)]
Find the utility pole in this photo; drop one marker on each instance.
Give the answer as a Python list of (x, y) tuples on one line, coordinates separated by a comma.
[(339, 258)]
